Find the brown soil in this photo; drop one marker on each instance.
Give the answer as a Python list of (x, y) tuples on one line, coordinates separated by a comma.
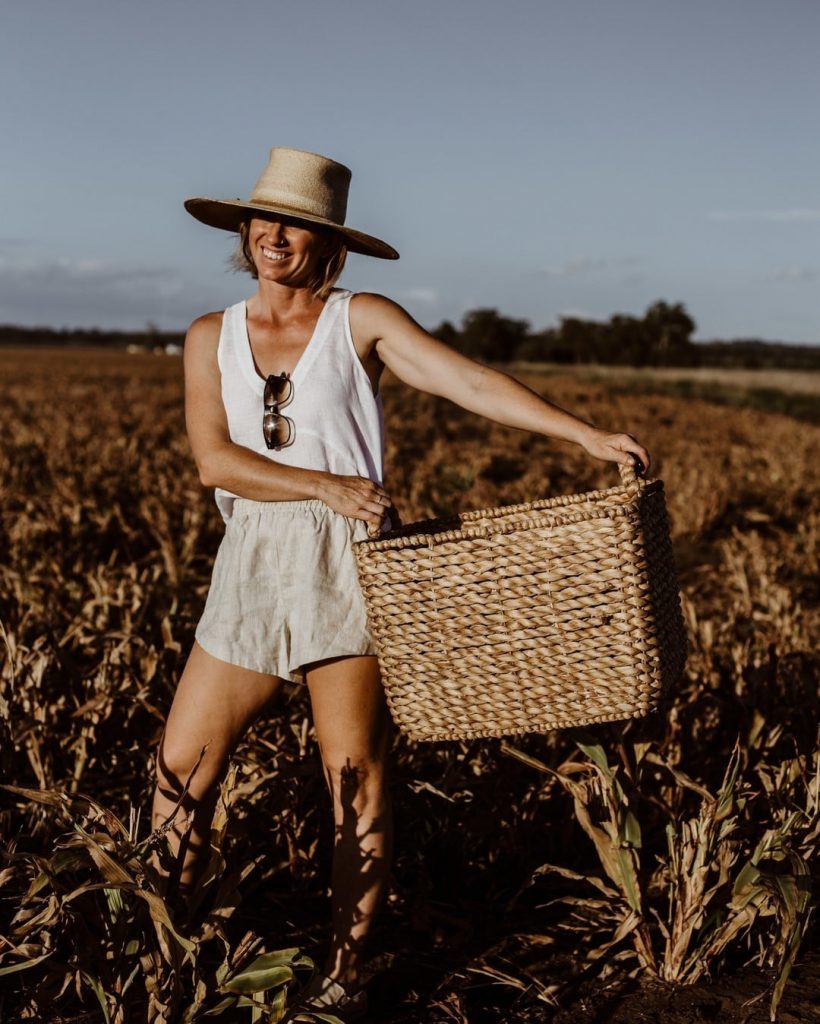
[(739, 998)]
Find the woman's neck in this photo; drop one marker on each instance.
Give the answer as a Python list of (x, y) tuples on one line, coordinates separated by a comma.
[(277, 303)]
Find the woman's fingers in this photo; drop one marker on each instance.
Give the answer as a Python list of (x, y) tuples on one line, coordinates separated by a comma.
[(359, 498), (372, 511), (369, 489), (623, 448), (636, 453), (375, 499)]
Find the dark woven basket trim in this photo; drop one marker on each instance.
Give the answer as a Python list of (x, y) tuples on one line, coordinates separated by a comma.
[(490, 530), (620, 493)]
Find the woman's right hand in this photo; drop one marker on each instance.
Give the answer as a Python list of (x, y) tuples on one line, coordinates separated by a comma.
[(355, 496)]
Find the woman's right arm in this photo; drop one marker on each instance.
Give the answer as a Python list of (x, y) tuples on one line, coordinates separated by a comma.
[(222, 463)]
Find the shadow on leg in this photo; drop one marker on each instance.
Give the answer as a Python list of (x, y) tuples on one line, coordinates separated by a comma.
[(353, 726), (214, 705)]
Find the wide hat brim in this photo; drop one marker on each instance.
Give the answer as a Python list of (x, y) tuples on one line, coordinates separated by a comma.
[(228, 214)]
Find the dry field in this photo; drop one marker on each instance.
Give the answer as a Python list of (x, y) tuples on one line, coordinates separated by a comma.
[(794, 392), (663, 870), (805, 382)]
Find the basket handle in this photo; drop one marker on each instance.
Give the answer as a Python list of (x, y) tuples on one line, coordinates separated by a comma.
[(629, 475)]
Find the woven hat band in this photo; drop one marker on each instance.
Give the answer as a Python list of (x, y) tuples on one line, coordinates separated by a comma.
[(304, 182)]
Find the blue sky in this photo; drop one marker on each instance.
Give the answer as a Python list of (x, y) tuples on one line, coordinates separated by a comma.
[(545, 158)]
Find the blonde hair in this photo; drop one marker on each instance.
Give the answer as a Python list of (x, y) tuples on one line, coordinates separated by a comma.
[(327, 273)]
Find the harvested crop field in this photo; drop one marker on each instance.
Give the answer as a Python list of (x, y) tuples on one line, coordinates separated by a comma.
[(659, 871)]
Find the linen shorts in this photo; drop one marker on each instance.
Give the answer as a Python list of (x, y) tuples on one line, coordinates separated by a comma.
[(284, 590)]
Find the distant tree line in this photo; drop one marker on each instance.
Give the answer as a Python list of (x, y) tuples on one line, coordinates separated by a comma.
[(661, 337), (77, 337)]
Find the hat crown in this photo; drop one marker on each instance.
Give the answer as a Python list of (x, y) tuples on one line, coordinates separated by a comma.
[(305, 183)]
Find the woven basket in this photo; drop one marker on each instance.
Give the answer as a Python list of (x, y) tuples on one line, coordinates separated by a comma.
[(525, 618)]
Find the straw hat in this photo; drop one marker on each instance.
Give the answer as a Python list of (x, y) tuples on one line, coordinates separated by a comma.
[(298, 184)]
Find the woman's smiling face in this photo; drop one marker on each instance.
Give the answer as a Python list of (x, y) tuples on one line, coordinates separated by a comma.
[(285, 250)]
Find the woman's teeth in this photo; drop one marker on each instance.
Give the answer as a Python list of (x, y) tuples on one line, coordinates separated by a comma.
[(271, 255)]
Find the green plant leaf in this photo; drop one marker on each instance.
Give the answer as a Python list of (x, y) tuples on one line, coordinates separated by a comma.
[(747, 877), (784, 968), (130, 978), (61, 860), (259, 976), (726, 797), (221, 1007), (632, 830), (596, 753), (96, 985), (629, 879), (278, 1004), (25, 964)]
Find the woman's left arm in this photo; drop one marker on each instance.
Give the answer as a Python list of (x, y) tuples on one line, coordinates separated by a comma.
[(427, 364)]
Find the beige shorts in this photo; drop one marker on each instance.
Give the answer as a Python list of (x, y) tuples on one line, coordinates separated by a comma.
[(284, 590)]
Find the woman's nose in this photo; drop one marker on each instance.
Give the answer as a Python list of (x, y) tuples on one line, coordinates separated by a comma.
[(276, 233)]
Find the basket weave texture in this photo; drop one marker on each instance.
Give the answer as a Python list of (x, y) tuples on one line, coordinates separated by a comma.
[(525, 618)]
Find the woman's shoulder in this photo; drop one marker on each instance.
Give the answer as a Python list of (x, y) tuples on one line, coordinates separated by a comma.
[(368, 299), (202, 339), (372, 304), (372, 312), (205, 328)]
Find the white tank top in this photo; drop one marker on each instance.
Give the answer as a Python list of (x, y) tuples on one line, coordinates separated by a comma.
[(338, 421)]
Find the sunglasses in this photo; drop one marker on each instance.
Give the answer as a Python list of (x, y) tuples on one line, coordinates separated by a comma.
[(277, 429)]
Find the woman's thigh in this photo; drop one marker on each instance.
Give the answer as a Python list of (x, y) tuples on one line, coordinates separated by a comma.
[(349, 710), (215, 702)]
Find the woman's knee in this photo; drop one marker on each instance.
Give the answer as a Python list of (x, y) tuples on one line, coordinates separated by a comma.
[(356, 779), (213, 706), (178, 763)]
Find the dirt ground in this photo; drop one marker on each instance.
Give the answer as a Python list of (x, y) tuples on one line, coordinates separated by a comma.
[(738, 998)]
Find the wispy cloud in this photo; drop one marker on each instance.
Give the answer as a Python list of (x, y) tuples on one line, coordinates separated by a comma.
[(797, 215), (578, 265), (586, 265), (88, 291), (426, 296), (579, 314), (60, 273), (800, 275)]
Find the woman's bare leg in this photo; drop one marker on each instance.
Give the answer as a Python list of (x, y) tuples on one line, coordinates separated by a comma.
[(214, 704), (353, 725)]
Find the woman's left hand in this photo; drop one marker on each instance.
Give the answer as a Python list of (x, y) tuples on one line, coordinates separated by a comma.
[(623, 448)]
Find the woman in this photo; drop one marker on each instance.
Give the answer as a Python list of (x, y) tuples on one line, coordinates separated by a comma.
[(285, 422)]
